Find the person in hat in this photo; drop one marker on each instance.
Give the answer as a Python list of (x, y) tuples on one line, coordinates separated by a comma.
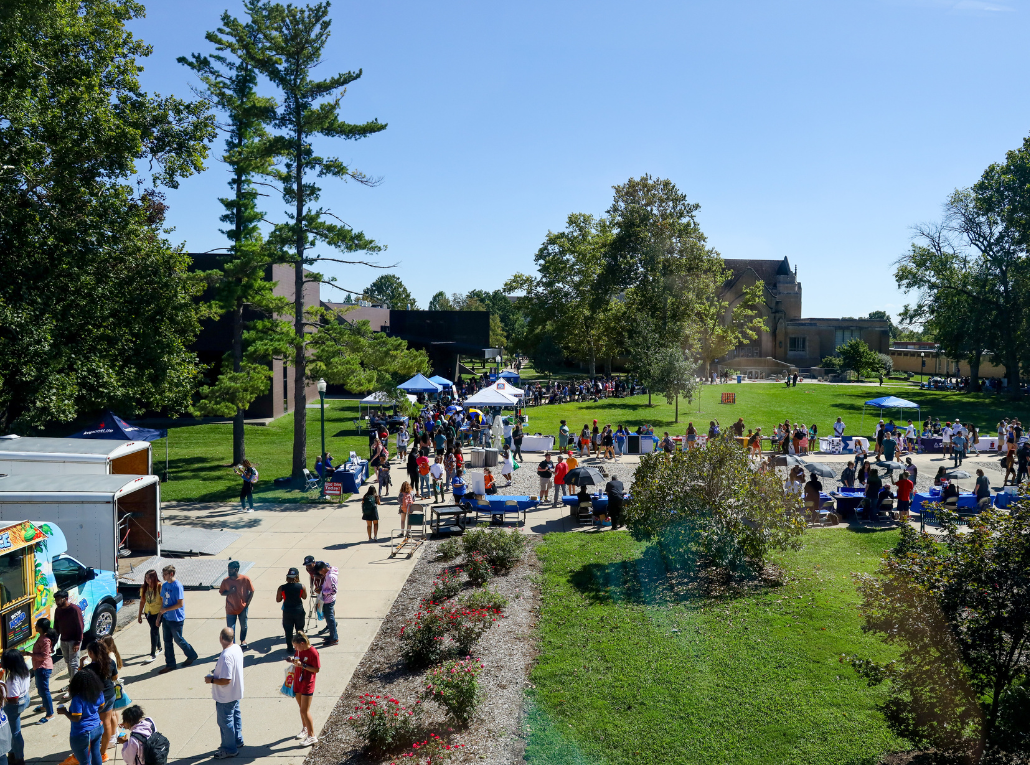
[(292, 595), (238, 591)]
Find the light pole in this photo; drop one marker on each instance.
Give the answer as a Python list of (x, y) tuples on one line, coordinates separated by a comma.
[(321, 400), (922, 366), (497, 359)]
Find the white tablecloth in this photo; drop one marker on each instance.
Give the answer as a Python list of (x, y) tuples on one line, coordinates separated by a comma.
[(987, 444), (537, 443)]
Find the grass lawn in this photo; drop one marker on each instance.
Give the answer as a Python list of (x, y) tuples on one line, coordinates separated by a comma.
[(754, 679)]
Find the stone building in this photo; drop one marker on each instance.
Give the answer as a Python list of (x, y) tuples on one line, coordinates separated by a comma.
[(789, 341)]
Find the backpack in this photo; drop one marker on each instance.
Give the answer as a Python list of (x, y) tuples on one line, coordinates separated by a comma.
[(155, 746), (423, 468)]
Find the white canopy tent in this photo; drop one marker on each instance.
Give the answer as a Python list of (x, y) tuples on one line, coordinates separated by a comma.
[(490, 397), (379, 398), (507, 388)]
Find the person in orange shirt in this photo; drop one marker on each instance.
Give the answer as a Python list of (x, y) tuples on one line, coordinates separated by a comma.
[(488, 481), (559, 478)]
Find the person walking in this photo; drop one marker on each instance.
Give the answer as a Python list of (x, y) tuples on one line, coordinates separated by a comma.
[(507, 466), (69, 625), (150, 606), (17, 680), (404, 503), (517, 435), (306, 665), (173, 615), (412, 468), (226, 683), (330, 579), (87, 695), (238, 591), (292, 595), (608, 442), (958, 448), (544, 471), (370, 513), (43, 667), (249, 474)]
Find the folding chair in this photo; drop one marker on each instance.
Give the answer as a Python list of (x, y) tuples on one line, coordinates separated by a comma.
[(310, 481), (413, 537)]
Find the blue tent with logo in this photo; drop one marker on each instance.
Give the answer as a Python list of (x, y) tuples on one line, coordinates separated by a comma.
[(420, 384), (512, 377), (890, 402), (111, 427)]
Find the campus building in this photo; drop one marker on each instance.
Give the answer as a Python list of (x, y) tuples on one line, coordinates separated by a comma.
[(789, 341)]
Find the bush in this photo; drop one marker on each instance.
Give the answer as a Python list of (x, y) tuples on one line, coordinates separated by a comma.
[(445, 586), (449, 549), (383, 724), (467, 625), (483, 597), (433, 749), (502, 548), (713, 508), (423, 637), (478, 568), (454, 686)]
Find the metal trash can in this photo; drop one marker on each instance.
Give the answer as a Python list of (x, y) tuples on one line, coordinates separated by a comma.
[(478, 458), (491, 457)]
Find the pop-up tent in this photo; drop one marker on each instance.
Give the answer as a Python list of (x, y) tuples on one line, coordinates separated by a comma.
[(379, 398), (420, 384), (512, 377), (443, 382), (507, 389), (113, 428), (490, 397), (890, 402)]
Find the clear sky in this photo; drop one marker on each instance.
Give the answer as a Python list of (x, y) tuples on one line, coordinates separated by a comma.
[(821, 131)]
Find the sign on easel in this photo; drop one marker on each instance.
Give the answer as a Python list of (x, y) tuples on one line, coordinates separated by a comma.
[(333, 489), (729, 398)]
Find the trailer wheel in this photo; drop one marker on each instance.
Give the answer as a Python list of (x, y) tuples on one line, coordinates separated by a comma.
[(104, 619)]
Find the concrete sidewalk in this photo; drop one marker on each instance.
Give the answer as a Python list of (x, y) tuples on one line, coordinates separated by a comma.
[(275, 537)]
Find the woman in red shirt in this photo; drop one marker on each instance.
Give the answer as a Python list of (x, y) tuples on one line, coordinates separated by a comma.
[(306, 663)]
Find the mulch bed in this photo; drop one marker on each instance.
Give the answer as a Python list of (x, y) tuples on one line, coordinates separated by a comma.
[(507, 650)]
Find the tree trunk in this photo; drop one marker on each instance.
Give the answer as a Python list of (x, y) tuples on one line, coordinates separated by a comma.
[(300, 399), (239, 449), (677, 408), (608, 367), (974, 371)]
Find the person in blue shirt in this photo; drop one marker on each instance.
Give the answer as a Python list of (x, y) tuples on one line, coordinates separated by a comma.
[(173, 615), (458, 486), (87, 695), (319, 468)]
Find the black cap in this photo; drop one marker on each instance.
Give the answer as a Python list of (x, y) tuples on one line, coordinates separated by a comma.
[(233, 564), (309, 559), (293, 572)]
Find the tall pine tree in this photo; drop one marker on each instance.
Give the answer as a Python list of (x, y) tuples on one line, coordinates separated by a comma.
[(230, 80), (293, 41)]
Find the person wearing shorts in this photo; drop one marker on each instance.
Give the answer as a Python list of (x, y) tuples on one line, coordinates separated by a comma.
[(306, 664), (545, 470)]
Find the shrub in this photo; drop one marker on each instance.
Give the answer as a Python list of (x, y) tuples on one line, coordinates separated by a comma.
[(712, 508), (445, 586), (454, 686), (383, 724), (502, 548), (478, 568), (449, 549), (467, 625), (423, 637), (483, 597), (433, 749)]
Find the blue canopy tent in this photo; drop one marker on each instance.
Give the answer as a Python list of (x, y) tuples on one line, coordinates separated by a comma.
[(420, 384), (890, 402), (512, 377), (111, 427), (441, 381)]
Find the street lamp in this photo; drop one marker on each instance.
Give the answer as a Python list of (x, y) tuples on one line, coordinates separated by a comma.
[(497, 359), (321, 399), (922, 366)]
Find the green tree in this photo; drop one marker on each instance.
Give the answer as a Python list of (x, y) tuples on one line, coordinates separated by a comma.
[(389, 290), (884, 316), (292, 43), (718, 328), (548, 356), (440, 302), (230, 84), (96, 307), (856, 356)]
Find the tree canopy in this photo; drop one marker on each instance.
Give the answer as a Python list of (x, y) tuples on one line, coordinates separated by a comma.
[(389, 290)]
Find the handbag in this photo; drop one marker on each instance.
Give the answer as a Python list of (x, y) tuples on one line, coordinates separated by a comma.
[(287, 687), (121, 698), (5, 733)]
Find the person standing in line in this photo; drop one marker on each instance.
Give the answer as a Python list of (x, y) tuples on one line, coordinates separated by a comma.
[(87, 695), (173, 615), (238, 591), (905, 486), (292, 595), (43, 667), (249, 474), (307, 664), (424, 480), (437, 472), (544, 471), (330, 579), (559, 480), (402, 442), (563, 436), (150, 606), (404, 503), (68, 621), (946, 433), (17, 680), (412, 469), (227, 691), (370, 513)]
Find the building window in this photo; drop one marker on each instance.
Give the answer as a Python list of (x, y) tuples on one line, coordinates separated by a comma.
[(846, 335), (798, 344)]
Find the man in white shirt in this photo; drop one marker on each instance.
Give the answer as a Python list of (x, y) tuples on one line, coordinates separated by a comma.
[(838, 428), (946, 433), (436, 470), (227, 689), (910, 435), (507, 432)]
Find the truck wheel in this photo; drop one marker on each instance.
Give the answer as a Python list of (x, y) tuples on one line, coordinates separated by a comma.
[(104, 620)]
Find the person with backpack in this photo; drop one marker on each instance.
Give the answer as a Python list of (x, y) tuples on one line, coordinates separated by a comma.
[(249, 474), (144, 745)]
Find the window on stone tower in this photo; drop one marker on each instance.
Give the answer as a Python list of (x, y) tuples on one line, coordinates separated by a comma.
[(797, 344)]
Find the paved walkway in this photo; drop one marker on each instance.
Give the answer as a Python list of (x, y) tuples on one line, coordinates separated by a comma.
[(275, 538)]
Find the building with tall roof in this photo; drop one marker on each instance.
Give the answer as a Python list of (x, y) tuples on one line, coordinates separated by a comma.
[(789, 340)]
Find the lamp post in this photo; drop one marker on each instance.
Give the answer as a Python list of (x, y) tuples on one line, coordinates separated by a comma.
[(922, 366), (497, 359), (321, 399)]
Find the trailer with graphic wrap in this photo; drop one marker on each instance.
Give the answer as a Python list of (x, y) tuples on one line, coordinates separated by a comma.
[(34, 564)]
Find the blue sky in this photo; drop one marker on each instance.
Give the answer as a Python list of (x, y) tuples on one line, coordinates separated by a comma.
[(820, 131)]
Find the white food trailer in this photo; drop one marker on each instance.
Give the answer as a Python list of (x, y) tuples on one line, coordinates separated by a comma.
[(99, 514), (62, 456)]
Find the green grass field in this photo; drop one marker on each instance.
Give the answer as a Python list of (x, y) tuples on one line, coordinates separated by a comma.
[(753, 679), (200, 453)]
